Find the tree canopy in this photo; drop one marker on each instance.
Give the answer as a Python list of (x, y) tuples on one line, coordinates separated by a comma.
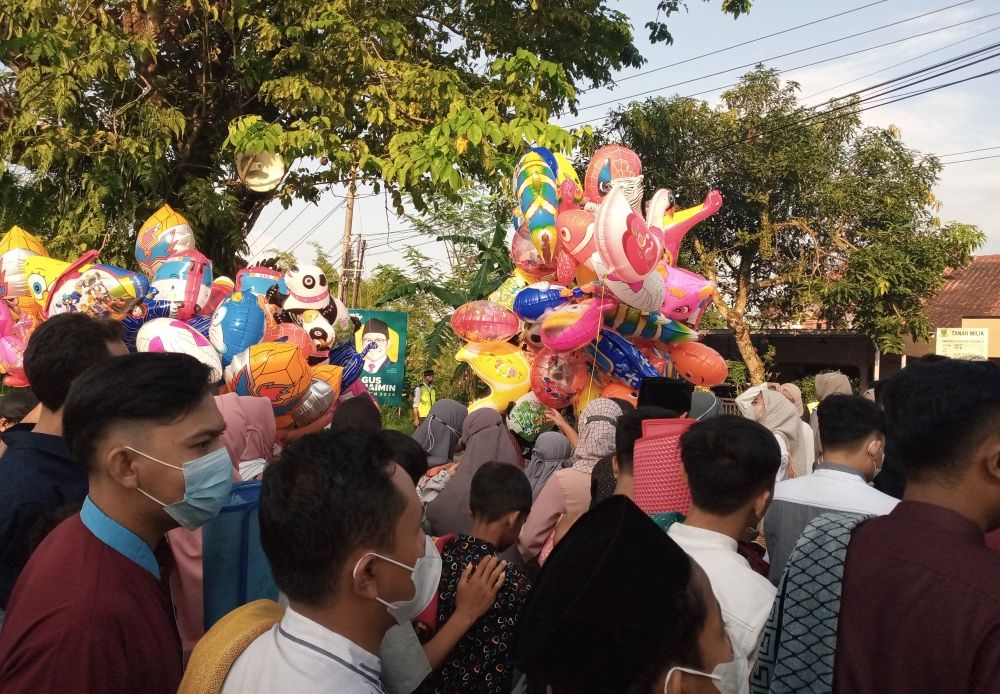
[(823, 218)]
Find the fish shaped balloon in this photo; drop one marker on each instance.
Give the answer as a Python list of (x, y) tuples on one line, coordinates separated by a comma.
[(626, 244), (631, 322), (676, 224), (576, 235), (503, 367), (698, 363), (686, 295)]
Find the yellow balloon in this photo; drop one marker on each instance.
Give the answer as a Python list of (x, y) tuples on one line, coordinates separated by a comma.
[(331, 375), (566, 170), (19, 238), (503, 367), (505, 293), (42, 273), (592, 391)]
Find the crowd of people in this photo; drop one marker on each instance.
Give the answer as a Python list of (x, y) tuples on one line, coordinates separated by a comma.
[(464, 558)]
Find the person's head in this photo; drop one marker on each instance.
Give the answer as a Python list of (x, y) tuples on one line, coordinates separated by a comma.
[(629, 431), (793, 394), (14, 406), (730, 463), (62, 348), (852, 429), (407, 453), (500, 496), (375, 332), (831, 383), (943, 426), (336, 513), (598, 422), (149, 433), (358, 412), (581, 632), (429, 377)]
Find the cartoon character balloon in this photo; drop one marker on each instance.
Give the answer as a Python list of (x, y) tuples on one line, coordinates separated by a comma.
[(237, 324), (576, 235), (626, 244), (557, 378), (101, 291), (614, 166), (484, 321), (164, 234), (16, 246), (686, 295), (527, 417), (274, 370), (503, 367), (259, 279), (221, 288), (698, 363), (620, 359), (307, 289), (171, 335), (185, 280)]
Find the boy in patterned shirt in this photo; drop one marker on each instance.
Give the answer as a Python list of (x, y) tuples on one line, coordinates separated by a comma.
[(500, 499)]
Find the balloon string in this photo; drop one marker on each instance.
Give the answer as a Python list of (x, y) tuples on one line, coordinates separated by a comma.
[(600, 324)]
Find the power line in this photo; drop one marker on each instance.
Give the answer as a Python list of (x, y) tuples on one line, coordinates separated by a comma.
[(748, 42), (315, 227), (785, 55), (962, 161), (968, 151)]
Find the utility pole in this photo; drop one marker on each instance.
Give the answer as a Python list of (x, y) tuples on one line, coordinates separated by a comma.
[(359, 263), (345, 260)]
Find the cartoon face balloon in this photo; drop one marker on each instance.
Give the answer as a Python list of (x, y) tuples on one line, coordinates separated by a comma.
[(16, 246), (557, 378), (185, 280), (273, 370), (164, 234), (102, 291), (698, 363), (237, 324), (171, 335), (307, 289), (614, 165), (686, 295), (258, 279)]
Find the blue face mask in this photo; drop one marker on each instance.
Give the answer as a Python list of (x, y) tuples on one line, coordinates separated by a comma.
[(207, 483)]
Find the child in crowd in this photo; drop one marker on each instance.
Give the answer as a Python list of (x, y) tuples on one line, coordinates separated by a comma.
[(14, 406)]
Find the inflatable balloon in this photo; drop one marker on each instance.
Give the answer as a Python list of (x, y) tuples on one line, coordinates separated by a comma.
[(557, 378), (508, 289), (331, 374), (660, 360), (626, 245), (317, 402), (591, 391), (686, 295), (677, 224), (568, 183), (101, 291), (503, 367), (646, 296), (258, 279), (274, 370), (527, 418), (631, 322), (660, 208), (48, 278), (350, 360), (571, 327), (203, 324), (531, 337), (295, 335), (16, 246), (12, 361), (484, 321), (698, 363), (339, 318), (576, 234), (172, 335), (565, 267), (237, 324), (535, 299), (621, 391), (526, 257), (6, 320), (614, 166), (142, 312), (620, 359), (307, 289), (535, 184), (318, 329), (164, 234), (185, 280), (221, 288)]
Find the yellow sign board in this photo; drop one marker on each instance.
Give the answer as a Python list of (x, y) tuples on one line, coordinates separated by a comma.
[(963, 343)]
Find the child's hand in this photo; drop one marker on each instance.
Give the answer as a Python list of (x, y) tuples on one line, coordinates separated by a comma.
[(478, 588)]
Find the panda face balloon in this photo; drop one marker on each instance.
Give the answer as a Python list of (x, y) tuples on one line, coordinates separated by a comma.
[(184, 279), (307, 289), (238, 323)]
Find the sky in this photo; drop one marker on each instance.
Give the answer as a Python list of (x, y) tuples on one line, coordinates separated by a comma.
[(951, 121)]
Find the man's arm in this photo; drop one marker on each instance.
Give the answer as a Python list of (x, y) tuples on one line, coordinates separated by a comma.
[(416, 407)]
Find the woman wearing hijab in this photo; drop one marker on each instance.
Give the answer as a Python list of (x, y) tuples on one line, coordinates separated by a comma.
[(441, 430), (834, 383), (485, 439), (774, 411), (566, 495), (552, 452), (794, 395)]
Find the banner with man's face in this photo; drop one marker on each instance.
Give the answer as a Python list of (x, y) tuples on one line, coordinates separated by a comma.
[(384, 334)]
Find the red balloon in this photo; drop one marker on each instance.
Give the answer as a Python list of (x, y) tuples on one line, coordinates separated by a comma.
[(295, 335), (621, 391), (576, 234), (526, 256), (557, 378), (698, 363), (484, 321), (607, 164)]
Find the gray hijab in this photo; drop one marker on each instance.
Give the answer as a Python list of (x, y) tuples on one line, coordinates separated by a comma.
[(440, 431)]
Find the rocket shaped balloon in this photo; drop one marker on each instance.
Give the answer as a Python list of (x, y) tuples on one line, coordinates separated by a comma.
[(538, 199)]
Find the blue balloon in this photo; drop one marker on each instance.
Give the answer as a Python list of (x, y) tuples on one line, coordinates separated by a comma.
[(535, 299), (201, 324), (146, 310), (615, 355), (238, 323)]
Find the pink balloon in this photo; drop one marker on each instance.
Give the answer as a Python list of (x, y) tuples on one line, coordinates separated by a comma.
[(570, 327), (557, 378), (686, 295), (484, 321), (626, 244), (296, 335), (6, 320), (12, 361)]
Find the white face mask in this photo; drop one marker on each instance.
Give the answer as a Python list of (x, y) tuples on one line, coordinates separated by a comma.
[(729, 678), (877, 467), (425, 574)]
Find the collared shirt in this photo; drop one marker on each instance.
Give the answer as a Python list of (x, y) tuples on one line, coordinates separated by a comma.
[(920, 605), (298, 655), (118, 537), (743, 594), (40, 479), (830, 487)]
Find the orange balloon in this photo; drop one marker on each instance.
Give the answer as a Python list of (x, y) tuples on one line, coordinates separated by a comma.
[(698, 363), (621, 392)]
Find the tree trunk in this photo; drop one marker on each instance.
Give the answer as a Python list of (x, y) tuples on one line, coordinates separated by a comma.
[(741, 333)]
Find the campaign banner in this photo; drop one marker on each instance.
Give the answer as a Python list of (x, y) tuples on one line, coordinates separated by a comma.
[(384, 367)]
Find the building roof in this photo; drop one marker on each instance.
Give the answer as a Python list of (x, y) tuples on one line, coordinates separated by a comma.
[(969, 292)]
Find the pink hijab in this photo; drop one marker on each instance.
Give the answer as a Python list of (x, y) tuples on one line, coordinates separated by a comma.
[(250, 427)]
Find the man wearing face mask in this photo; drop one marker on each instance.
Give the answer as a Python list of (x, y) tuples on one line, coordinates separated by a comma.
[(341, 526), (853, 433), (91, 611)]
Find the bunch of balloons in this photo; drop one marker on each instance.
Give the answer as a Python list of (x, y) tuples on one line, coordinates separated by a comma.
[(597, 302), (271, 334)]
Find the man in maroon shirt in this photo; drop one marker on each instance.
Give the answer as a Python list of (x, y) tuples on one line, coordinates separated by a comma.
[(920, 607), (91, 611)]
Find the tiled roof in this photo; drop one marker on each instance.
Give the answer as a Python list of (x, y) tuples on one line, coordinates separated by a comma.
[(972, 291)]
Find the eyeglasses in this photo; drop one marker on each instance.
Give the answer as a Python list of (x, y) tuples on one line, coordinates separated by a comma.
[(377, 340)]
